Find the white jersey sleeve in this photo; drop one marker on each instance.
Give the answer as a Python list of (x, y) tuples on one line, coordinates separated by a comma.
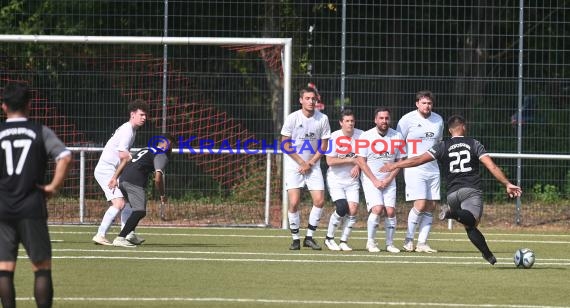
[(122, 140)]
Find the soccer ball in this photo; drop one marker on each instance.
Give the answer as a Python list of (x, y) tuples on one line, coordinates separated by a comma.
[(524, 258)]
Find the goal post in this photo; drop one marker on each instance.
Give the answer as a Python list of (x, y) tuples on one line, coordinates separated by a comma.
[(51, 114)]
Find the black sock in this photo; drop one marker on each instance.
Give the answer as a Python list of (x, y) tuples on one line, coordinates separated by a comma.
[(132, 222), (477, 238), (7, 290), (43, 288)]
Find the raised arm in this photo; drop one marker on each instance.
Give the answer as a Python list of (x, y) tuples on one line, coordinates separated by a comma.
[(512, 190)]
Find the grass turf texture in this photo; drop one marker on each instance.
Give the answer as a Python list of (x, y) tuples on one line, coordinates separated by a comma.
[(238, 267)]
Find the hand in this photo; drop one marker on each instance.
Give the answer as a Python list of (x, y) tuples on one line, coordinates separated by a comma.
[(513, 191), (380, 184), (305, 167), (355, 172), (49, 190), (388, 167), (112, 184), (163, 199)]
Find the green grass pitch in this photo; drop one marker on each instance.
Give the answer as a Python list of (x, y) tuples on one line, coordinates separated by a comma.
[(243, 267)]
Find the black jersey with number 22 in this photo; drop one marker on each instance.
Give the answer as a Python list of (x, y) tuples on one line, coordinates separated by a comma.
[(459, 157)]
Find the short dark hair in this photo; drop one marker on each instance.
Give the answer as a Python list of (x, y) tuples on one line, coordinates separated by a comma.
[(346, 113), (382, 109), (426, 94), (16, 96), (454, 121), (308, 90), (138, 104)]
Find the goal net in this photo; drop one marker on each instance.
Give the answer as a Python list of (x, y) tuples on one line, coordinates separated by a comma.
[(212, 94)]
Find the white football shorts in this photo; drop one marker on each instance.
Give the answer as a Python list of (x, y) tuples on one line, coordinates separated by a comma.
[(344, 189), (103, 174), (313, 180), (375, 196), (422, 185)]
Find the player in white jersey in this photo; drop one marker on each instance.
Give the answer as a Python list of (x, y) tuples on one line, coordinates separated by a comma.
[(375, 147), (116, 151), (305, 135), (342, 180), (422, 128)]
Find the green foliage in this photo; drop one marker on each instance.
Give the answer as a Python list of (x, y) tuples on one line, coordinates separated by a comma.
[(546, 193)]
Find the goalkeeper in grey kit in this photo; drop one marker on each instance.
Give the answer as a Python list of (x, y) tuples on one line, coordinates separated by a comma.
[(460, 157)]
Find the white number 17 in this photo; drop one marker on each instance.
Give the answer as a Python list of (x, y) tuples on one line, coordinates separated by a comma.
[(7, 146)]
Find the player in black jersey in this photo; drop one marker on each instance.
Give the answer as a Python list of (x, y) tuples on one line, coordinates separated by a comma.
[(460, 157), (25, 148), (134, 178)]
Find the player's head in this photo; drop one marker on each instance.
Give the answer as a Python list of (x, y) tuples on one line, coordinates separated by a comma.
[(456, 125), (166, 143), (347, 121), (382, 118), (138, 111), (16, 97), (308, 98), (424, 102)]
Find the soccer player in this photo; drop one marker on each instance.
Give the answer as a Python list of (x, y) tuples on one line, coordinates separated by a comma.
[(460, 157), (383, 144), (26, 149), (116, 151), (342, 180), (422, 128), (305, 136), (134, 179)]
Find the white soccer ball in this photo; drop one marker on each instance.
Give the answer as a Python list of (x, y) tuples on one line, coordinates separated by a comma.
[(524, 258)]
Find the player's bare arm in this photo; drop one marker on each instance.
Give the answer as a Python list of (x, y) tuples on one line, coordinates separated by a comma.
[(125, 159), (361, 161), (512, 190), (288, 147), (159, 184), (324, 147), (61, 169), (407, 163)]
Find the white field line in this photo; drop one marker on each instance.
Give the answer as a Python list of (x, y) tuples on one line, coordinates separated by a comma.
[(320, 261), (364, 255), (489, 238), (283, 301)]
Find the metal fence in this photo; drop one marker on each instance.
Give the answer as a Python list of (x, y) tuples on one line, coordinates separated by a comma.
[(504, 65)]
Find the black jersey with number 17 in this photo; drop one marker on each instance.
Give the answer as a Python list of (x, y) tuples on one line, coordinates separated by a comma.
[(24, 151), (459, 158)]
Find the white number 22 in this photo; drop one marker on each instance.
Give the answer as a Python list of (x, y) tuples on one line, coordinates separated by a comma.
[(458, 164), (7, 146)]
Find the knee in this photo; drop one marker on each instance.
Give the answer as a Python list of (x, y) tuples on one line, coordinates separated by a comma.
[(138, 214), (341, 207)]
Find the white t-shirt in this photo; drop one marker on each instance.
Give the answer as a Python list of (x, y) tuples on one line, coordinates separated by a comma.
[(377, 152), (305, 134), (342, 172), (122, 140), (420, 135)]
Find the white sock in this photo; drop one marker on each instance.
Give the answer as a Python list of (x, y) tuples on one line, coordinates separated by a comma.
[(125, 214), (334, 221), (413, 219), (107, 221), (373, 221), (349, 223), (294, 222), (425, 227), (314, 218), (390, 226)]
